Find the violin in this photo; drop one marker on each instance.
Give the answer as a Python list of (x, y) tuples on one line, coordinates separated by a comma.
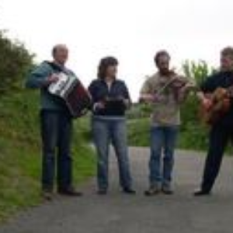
[(175, 81)]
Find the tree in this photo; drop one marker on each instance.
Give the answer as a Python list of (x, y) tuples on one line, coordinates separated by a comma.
[(15, 61), (193, 131), (197, 70)]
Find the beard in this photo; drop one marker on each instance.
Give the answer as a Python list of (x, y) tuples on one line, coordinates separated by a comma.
[(164, 71)]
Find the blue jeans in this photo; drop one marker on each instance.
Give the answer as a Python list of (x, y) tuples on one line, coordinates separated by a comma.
[(163, 140), (56, 132), (106, 131)]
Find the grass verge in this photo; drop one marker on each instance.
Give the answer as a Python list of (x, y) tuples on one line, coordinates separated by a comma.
[(20, 157)]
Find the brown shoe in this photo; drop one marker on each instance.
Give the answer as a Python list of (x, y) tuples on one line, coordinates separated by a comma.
[(152, 191), (47, 195), (69, 192)]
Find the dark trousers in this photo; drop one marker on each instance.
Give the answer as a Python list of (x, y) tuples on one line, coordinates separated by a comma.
[(219, 138), (56, 132)]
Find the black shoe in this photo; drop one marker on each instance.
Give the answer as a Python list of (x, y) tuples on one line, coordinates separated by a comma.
[(201, 192), (69, 192), (102, 192), (129, 191), (167, 191)]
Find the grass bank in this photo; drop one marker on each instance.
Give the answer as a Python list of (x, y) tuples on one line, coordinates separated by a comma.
[(20, 157)]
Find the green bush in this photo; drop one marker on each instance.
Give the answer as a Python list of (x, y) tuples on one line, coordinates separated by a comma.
[(193, 130), (15, 61)]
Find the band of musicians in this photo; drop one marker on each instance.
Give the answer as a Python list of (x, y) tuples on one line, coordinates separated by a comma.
[(63, 98)]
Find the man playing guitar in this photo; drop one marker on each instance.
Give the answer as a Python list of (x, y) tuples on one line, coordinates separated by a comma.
[(221, 129)]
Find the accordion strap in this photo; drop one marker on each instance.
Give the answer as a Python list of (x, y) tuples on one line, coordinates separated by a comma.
[(56, 67)]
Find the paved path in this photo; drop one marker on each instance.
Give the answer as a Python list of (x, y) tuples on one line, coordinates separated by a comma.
[(118, 213)]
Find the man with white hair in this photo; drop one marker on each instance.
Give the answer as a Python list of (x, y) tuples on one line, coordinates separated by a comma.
[(56, 126)]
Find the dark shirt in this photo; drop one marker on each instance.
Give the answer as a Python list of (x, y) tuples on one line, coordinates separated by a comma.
[(101, 93), (225, 80)]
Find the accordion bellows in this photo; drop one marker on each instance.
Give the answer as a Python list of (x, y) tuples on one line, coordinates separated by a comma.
[(71, 90)]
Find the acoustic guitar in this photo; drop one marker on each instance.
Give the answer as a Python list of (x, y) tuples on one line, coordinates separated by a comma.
[(221, 103)]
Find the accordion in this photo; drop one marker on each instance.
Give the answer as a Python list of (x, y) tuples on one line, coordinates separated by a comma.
[(72, 91)]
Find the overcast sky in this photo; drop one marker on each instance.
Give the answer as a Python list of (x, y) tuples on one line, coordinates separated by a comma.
[(131, 30)]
